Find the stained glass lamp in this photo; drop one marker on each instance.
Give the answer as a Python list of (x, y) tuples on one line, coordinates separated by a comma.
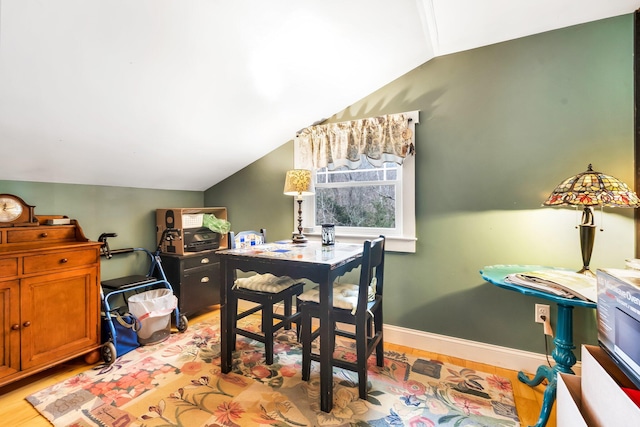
[(298, 183), (589, 189)]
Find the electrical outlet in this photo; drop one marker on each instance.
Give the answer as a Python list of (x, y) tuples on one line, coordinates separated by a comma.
[(542, 310)]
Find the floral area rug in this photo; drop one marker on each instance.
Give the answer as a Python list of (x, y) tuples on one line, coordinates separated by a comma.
[(178, 382)]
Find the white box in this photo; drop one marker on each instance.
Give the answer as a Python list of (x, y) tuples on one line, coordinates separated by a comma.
[(604, 403), (619, 318), (569, 408), (192, 220)]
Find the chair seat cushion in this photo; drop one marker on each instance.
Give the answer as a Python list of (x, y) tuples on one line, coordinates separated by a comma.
[(345, 295), (265, 283)]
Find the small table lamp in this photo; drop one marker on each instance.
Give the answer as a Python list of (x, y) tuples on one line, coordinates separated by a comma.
[(588, 189), (298, 183)]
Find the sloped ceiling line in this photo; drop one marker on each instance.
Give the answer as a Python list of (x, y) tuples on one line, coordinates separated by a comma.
[(430, 25)]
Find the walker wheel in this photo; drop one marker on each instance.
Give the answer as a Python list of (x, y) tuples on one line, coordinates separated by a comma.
[(183, 324), (109, 353)]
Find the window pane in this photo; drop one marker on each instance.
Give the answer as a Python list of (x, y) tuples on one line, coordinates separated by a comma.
[(365, 173), (369, 206)]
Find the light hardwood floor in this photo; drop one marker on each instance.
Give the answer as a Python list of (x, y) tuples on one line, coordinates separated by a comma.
[(15, 411)]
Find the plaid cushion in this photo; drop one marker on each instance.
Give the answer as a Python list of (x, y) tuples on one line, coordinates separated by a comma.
[(345, 295), (265, 283)]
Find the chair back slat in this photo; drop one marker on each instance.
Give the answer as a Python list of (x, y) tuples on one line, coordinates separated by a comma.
[(377, 260), (372, 267)]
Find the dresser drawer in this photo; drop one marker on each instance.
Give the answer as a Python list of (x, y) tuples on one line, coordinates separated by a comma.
[(198, 289), (195, 279), (41, 234), (194, 261), (201, 275), (59, 260), (8, 267)]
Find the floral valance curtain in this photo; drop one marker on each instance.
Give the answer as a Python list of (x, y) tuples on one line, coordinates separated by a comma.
[(381, 139)]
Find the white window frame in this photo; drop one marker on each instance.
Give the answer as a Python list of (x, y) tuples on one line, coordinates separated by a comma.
[(402, 238)]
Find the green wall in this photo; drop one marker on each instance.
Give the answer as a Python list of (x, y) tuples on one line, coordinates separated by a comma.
[(254, 196), (129, 212), (500, 127)]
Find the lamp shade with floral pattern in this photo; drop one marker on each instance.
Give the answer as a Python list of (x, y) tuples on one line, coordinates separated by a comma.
[(591, 188)]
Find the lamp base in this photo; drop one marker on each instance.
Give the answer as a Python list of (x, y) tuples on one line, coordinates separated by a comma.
[(586, 272), (587, 237), (299, 238)]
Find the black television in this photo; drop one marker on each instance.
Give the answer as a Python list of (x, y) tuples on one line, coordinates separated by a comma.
[(619, 319)]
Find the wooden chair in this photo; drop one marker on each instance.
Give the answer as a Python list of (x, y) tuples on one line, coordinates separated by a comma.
[(359, 305), (264, 290)]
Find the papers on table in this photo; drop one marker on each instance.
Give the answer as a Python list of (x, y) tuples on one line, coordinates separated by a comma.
[(566, 284)]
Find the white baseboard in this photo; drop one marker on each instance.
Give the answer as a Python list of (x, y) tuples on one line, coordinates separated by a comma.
[(504, 357)]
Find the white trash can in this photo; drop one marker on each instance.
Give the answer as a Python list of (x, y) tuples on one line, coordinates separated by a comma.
[(153, 308)]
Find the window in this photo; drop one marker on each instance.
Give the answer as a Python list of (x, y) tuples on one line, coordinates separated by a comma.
[(364, 202), (362, 198)]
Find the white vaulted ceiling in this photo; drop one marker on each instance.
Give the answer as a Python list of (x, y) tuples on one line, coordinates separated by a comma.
[(180, 94)]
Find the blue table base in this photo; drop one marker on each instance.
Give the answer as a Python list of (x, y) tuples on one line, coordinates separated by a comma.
[(564, 358), (563, 352)]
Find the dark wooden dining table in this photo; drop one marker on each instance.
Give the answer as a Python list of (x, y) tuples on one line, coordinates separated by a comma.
[(313, 261)]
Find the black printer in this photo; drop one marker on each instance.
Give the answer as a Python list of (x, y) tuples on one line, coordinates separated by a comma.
[(200, 239)]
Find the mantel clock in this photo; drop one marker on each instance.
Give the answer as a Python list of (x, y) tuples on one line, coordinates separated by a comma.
[(15, 212)]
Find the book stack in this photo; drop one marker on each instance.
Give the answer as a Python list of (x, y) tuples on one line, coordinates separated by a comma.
[(566, 284)]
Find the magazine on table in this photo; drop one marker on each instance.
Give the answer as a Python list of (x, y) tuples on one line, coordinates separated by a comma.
[(566, 284)]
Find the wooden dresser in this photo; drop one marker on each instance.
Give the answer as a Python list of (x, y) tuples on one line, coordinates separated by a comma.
[(49, 297)]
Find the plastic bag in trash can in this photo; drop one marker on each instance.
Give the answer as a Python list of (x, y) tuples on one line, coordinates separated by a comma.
[(153, 308)]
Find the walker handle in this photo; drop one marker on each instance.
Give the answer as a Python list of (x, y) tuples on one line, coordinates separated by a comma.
[(104, 249)]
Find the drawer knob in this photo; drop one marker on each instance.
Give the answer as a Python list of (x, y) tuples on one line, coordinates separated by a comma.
[(43, 235), (26, 324), (204, 261), (15, 327), (64, 260), (205, 279)]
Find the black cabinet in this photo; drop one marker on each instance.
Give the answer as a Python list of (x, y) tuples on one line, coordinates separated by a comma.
[(195, 279)]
